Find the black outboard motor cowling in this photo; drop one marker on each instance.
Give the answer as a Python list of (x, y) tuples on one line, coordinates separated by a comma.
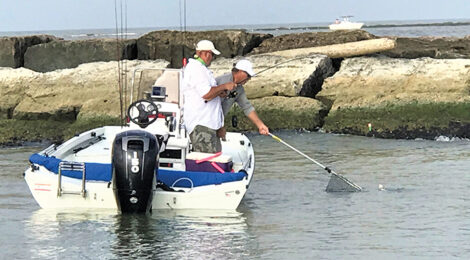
[(134, 164)]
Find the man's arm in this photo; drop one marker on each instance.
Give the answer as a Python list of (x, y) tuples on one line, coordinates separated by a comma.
[(216, 91), (249, 111), (262, 128)]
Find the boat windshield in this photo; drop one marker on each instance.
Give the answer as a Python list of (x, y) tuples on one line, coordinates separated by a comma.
[(144, 80)]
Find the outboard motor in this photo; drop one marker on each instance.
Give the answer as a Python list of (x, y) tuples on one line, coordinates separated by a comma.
[(134, 164)]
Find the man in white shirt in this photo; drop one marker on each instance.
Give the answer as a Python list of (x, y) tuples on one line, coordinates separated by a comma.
[(202, 109)]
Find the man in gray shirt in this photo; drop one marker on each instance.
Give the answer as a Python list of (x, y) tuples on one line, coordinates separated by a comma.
[(240, 74)]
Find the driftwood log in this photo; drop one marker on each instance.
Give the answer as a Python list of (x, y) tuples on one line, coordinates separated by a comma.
[(342, 50)]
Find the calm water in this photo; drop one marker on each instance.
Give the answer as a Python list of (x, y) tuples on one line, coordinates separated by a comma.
[(423, 213), (413, 28)]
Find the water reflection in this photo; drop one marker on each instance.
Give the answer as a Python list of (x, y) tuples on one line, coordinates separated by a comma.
[(165, 234), (181, 234), (61, 235)]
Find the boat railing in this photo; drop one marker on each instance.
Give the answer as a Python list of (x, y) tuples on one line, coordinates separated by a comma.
[(50, 149)]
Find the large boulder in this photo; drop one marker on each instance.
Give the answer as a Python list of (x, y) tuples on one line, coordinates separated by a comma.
[(170, 45), (311, 39), (282, 95), (90, 90), (301, 76), (13, 84), (12, 49), (432, 47), (69, 54), (400, 98)]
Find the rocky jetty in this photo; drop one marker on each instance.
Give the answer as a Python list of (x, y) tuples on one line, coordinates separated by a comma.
[(12, 49), (90, 90), (172, 45), (57, 105), (52, 89)]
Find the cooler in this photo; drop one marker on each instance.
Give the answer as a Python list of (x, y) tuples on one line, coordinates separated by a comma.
[(208, 162)]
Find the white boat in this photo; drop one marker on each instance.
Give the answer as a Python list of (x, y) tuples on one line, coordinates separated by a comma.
[(345, 24), (145, 165)]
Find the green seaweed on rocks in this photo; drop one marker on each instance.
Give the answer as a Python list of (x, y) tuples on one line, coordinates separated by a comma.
[(86, 123), (274, 119), (407, 121), (15, 132)]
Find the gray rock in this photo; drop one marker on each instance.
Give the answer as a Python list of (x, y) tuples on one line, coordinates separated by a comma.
[(399, 98), (12, 49), (311, 39), (282, 76), (378, 81), (69, 54), (170, 45), (432, 47)]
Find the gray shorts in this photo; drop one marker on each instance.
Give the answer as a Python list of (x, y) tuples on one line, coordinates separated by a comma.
[(205, 140)]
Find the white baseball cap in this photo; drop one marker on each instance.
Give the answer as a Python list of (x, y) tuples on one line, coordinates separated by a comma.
[(246, 66), (206, 45)]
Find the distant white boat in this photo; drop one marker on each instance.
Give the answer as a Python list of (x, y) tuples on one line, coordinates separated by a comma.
[(345, 24)]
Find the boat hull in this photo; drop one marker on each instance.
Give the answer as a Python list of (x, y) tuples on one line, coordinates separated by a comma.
[(44, 187), (44, 184), (346, 26)]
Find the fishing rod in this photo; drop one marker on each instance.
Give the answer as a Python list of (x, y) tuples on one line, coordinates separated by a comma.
[(118, 57), (183, 29), (283, 62)]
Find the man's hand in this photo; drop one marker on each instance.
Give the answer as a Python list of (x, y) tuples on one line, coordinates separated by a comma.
[(221, 132), (263, 129), (229, 86), (224, 94), (218, 90)]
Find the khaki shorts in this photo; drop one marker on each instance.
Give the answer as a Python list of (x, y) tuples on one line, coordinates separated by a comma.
[(205, 140)]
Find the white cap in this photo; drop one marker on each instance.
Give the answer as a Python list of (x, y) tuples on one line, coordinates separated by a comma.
[(206, 45), (246, 66)]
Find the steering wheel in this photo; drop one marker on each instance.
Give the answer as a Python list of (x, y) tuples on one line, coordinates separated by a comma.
[(142, 112)]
